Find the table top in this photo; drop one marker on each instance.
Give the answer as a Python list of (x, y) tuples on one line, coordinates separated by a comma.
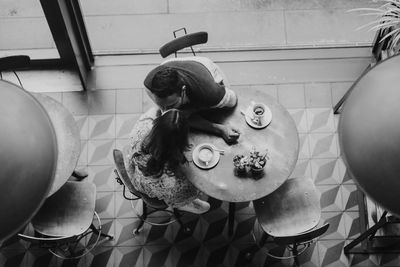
[(28, 157), (280, 138), (68, 139), (369, 134)]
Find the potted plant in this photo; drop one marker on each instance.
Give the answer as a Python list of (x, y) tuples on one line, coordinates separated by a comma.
[(257, 162), (387, 23), (240, 162)]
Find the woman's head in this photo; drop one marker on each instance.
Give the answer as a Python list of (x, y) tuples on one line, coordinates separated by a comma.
[(167, 141)]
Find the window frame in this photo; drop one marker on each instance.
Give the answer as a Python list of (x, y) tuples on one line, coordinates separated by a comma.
[(68, 29)]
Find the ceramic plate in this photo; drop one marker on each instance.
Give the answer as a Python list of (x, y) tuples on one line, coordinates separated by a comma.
[(265, 121), (213, 161)]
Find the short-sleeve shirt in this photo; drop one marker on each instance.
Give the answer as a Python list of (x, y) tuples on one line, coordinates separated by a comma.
[(201, 88)]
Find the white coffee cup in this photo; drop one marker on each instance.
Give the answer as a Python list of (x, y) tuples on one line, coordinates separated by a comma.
[(206, 153), (258, 112)]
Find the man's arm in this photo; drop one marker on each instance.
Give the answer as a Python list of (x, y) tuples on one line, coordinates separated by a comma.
[(227, 132)]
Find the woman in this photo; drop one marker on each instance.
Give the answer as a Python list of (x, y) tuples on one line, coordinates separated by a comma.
[(158, 143)]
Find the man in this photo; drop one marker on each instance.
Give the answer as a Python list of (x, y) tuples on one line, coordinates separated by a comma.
[(192, 84)]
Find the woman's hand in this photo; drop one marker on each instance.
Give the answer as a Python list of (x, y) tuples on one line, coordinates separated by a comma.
[(229, 134)]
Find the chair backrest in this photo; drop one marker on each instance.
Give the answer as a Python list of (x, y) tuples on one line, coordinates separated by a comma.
[(184, 41), (123, 175), (302, 237), (14, 62), (292, 209)]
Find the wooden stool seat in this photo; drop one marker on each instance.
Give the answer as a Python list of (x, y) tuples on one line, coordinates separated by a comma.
[(68, 212), (292, 209)]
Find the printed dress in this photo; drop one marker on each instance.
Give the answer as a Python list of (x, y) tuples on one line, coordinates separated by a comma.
[(171, 187)]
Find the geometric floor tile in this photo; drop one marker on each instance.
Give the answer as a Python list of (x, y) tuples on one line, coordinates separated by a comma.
[(40, 257), (389, 260), (128, 256), (124, 124), (102, 176), (83, 126), (101, 257), (105, 204), (300, 118), (325, 171), (364, 260), (302, 169), (101, 127), (122, 144), (331, 253), (323, 145), (124, 232), (304, 147), (214, 226), (13, 257), (100, 152), (157, 255), (344, 176), (123, 207), (331, 197), (320, 120), (83, 156), (337, 225), (352, 224), (352, 196)]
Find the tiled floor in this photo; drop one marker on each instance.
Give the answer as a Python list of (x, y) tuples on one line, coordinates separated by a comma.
[(105, 125)]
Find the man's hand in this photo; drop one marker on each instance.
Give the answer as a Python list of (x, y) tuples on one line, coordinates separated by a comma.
[(230, 134)]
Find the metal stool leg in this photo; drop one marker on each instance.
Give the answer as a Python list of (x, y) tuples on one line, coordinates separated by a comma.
[(95, 230), (142, 219), (178, 216), (295, 254), (231, 217)]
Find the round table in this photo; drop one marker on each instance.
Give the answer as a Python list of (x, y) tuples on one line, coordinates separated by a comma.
[(280, 138), (68, 139), (28, 157), (369, 134)]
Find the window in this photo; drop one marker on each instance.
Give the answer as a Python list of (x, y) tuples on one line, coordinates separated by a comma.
[(51, 32), (24, 31)]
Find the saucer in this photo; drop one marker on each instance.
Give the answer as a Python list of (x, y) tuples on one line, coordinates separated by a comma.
[(265, 121), (214, 160)]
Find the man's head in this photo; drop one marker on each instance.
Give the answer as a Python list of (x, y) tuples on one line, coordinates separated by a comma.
[(165, 88)]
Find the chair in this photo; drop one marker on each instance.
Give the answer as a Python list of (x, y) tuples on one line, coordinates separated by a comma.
[(288, 214), (65, 221), (12, 63), (187, 40), (150, 205)]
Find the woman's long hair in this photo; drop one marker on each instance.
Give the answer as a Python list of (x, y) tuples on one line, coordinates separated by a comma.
[(166, 142)]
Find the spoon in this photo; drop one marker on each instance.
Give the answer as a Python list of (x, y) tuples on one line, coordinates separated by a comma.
[(221, 151)]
